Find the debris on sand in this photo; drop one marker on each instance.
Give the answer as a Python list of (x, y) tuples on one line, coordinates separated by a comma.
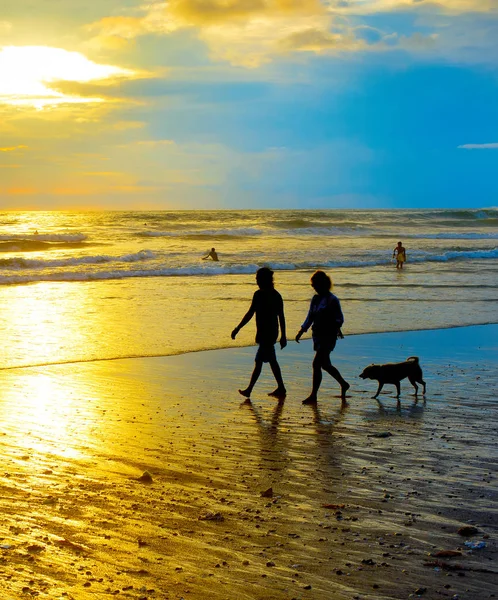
[(146, 477), (447, 553), (475, 545), (212, 516), (72, 545)]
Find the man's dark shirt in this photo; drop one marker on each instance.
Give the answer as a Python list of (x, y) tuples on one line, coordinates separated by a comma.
[(267, 304)]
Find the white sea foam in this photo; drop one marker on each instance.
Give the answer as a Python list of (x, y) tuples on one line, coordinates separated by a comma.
[(452, 236), (207, 270), (27, 263)]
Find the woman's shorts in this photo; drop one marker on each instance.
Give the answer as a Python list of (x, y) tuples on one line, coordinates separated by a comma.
[(323, 345), (266, 353)]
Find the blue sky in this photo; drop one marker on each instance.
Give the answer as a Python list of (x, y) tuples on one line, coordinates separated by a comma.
[(248, 104)]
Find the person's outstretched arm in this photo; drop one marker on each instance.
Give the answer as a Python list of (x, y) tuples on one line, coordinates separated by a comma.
[(307, 323), (245, 319)]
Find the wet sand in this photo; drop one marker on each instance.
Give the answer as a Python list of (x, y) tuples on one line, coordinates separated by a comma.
[(144, 478)]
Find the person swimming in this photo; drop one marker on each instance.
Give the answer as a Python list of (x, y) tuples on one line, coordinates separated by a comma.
[(213, 255)]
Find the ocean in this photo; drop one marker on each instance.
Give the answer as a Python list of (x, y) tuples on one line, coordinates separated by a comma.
[(81, 286)]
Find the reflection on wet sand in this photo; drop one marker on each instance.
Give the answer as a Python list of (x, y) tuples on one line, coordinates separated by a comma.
[(362, 496), (274, 453)]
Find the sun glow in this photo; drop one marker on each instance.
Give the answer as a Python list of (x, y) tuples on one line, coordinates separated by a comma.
[(28, 75)]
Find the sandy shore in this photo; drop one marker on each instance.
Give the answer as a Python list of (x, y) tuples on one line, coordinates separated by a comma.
[(363, 499)]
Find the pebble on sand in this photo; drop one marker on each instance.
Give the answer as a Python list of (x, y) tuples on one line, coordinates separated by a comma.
[(146, 477)]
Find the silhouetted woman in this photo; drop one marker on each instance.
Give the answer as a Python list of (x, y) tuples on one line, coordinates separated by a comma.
[(325, 319)]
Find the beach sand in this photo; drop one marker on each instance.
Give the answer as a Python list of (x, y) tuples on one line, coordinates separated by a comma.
[(362, 499)]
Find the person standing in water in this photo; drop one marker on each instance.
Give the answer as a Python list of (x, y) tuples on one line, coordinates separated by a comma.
[(268, 306), (400, 253), (213, 255), (325, 319)]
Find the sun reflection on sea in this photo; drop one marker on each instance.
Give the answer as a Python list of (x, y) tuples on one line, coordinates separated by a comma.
[(43, 322)]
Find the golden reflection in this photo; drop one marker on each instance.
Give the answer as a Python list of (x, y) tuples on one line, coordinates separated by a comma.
[(40, 322), (40, 409), (28, 75)]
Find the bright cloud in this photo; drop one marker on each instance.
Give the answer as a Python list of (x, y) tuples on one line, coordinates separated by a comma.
[(28, 75), (491, 146)]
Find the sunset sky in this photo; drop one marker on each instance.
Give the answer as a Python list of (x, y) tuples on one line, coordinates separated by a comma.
[(117, 104)]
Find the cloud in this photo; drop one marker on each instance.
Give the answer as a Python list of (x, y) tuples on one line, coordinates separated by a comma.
[(207, 12), (363, 7), (251, 33), (241, 32), (313, 40), (491, 146), (12, 148), (29, 75)]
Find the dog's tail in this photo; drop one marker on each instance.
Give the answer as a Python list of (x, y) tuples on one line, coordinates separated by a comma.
[(413, 358)]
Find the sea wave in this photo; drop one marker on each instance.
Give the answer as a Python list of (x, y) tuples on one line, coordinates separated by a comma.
[(26, 263), (208, 233), (452, 236), (325, 230), (41, 237), (125, 274), (39, 243), (456, 255), (71, 272)]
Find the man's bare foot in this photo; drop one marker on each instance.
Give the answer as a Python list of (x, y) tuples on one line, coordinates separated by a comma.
[(245, 393), (278, 393), (344, 388), (310, 400)]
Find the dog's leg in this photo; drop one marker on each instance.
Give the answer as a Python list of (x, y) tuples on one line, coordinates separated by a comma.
[(420, 379), (398, 389), (381, 385), (414, 383)]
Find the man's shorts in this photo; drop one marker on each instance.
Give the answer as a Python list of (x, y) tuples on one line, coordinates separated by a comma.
[(266, 353)]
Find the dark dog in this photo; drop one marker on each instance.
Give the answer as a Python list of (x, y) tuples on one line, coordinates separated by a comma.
[(394, 373)]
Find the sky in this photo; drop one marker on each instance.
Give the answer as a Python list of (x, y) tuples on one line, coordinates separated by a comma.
[(212, 104)]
